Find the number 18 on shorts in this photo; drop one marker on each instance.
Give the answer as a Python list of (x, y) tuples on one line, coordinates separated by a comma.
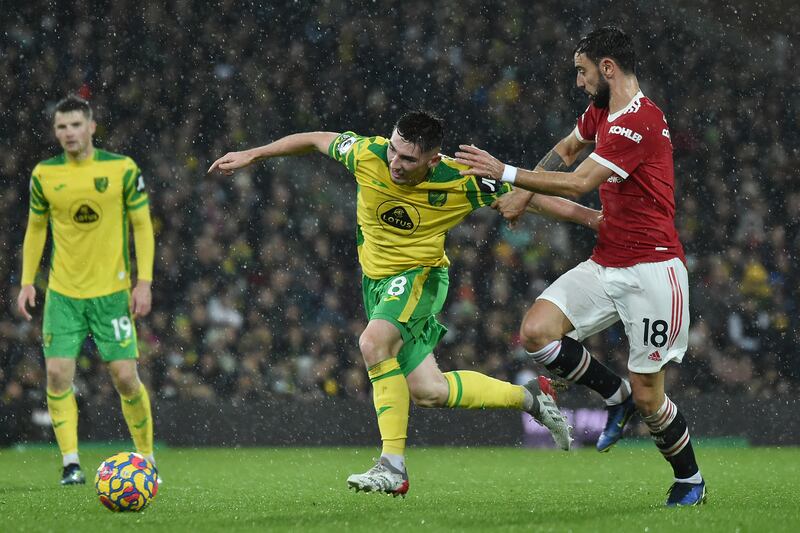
[(650, 299)]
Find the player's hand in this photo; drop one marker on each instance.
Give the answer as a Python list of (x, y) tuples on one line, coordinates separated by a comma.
[(141, 299), (26, 297), (480, 162), (512, 205), (595, 220), (231, 161)]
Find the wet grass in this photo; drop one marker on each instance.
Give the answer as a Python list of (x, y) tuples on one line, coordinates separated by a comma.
[(478, 489)]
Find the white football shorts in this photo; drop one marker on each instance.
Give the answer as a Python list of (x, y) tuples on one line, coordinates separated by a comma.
[(651, 300)]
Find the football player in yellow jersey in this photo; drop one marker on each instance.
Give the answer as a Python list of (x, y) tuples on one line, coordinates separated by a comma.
[(409, 196), (88, 197)]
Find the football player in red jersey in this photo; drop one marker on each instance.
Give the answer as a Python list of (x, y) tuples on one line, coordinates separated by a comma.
[(637, 271)]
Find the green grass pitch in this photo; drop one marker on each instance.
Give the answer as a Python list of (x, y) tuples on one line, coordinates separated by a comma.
[(452, 489)]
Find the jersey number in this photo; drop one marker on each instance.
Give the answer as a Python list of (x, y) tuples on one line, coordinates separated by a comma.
[(398, 286), (122, 328), (658, 336)]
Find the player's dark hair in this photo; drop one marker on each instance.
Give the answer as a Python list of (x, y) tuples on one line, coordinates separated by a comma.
[(74, 103), (421, 128), (611, 42)]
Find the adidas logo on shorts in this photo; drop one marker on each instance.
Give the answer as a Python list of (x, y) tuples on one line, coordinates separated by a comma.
[(655, 356)]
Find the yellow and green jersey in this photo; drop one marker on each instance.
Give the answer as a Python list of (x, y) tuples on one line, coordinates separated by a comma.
[(87, 204), (403, 227)]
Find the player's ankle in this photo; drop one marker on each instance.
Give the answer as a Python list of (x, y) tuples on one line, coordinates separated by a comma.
[(396, 461)]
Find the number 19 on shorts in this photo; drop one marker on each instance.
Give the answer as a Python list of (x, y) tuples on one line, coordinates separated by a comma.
[(123, 329)]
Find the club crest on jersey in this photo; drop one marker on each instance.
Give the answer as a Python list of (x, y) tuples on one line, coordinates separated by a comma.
[(398, 217), (101, 184), (437, 198)]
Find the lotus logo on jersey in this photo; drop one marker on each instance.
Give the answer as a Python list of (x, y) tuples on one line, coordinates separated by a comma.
[(627, 133), (85, 215), (398, 217), (101, 184)]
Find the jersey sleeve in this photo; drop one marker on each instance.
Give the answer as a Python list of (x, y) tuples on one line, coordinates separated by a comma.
[(37, 203), (482, 192), (586, 129), (625, 147), (134, 189), (346, 148)]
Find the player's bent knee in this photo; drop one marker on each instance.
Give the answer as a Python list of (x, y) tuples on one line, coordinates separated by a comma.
[(371, 351), (367, 346), (535, 334)]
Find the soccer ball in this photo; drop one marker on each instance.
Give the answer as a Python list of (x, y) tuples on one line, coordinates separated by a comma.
[(126, 482)]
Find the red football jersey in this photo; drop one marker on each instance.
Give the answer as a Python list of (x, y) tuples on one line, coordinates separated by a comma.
[(639, 198)]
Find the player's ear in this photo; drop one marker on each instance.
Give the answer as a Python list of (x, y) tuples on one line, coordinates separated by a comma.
[(607, 67), (92, 126), (435, 160)]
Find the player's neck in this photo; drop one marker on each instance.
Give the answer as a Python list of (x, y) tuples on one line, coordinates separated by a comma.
[(82, 156), (622, 94)]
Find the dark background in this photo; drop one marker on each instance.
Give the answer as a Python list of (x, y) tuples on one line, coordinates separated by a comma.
[(257, 289)]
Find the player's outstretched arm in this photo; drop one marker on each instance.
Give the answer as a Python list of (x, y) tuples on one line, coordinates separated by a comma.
[(587, 177), (295, 144), (567, 210), (32, 248), (559, 159)]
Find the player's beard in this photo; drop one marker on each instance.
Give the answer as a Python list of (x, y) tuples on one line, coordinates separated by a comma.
[(602, 96)]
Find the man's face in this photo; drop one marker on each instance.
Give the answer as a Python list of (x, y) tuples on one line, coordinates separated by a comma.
[(591, 81), (407, 165), (74, 132)]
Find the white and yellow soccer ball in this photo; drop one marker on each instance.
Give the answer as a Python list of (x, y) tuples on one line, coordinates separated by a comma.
[(126, 482)]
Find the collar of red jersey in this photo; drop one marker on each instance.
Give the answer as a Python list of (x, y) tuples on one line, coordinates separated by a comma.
[(614, 116)]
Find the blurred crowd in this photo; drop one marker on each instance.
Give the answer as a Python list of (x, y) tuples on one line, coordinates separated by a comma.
[(257, 289)]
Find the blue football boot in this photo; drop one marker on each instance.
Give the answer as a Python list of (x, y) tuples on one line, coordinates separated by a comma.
[(685, 494), (72, 475), (618, 416)]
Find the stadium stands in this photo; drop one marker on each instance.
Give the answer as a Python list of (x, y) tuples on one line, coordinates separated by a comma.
[(257, 288)]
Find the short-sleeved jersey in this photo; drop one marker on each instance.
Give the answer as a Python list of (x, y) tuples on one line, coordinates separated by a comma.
[(402, 227), (87, 203), (639, 198)]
